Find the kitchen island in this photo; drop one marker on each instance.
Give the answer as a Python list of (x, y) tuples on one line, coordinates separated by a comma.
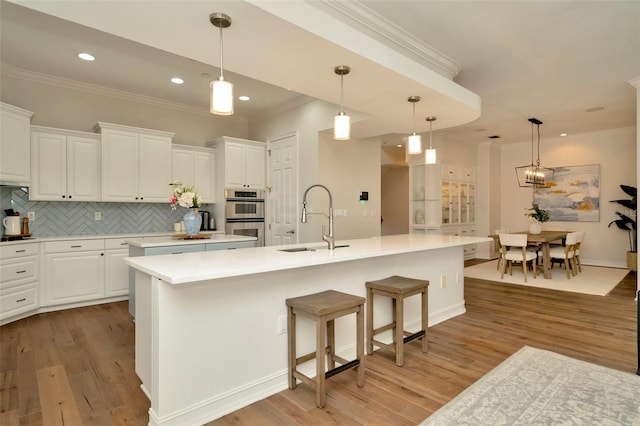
[(209, 335)]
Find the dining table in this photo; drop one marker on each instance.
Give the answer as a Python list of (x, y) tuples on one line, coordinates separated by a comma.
[(543, 239)]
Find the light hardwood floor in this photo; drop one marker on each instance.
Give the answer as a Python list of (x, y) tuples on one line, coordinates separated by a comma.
[(76, 367)]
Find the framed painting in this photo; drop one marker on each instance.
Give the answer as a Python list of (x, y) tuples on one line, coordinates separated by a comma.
[(572, 194)]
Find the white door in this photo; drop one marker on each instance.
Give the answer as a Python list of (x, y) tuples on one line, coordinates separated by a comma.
[(282, 200)]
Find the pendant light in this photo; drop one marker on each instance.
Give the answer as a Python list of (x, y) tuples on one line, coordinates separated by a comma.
[(221, 90), (342, 122), (414, 143), (430, 153), (534, 175)]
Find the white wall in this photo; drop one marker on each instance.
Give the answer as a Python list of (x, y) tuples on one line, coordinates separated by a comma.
[(614, 150), (348, 167), (68, 105)]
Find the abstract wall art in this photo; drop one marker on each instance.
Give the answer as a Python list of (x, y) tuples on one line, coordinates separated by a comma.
[(572, 194)]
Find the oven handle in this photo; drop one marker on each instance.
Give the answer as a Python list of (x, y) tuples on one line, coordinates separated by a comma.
[(245, 200), (245, 220)]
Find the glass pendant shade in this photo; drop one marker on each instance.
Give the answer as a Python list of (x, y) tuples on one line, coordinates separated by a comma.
[(415, 144), (430, 156), (342, 127), (221, 97)]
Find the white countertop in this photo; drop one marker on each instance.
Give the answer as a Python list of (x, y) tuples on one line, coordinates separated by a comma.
[(165, 241), (94, 237), (200, 266)]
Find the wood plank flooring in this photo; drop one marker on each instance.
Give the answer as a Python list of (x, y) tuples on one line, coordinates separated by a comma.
[(76, 367)]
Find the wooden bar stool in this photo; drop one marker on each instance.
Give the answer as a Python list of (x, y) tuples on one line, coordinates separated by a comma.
[(397, 289), (324, 308)]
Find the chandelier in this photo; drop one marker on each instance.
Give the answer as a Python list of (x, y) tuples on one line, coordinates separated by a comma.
[(534, 175)]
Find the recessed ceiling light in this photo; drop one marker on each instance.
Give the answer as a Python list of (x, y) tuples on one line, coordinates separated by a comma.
[(86, 56), (244, 98), (205, 75), (563, 134), (399, 146), (177, 80)]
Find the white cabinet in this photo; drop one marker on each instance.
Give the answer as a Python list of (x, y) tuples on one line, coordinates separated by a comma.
[(73, 271), (65, 165), (424, 196), (240, 163), (15, 148), (136, 164), (458, 203), (116, 271), (195, 165), (19, 287)]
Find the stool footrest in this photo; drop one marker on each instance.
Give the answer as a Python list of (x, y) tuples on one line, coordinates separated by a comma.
[(333, 372), (414, 336)]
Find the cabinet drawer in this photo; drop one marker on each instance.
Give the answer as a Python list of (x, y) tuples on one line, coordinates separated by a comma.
[(19, 250), (17, 301), (73, 245), (17, 271), (116, 243)]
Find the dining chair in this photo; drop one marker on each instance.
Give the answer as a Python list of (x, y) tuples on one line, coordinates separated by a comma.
[(567, 253), (498, 232), (581, 235), (513, 248)]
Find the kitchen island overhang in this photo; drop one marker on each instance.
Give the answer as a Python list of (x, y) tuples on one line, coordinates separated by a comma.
[(207, 339)]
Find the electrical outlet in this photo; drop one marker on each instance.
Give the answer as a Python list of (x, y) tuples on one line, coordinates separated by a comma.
[(443, 281), (31, 216), (282, 325), (98, 216)]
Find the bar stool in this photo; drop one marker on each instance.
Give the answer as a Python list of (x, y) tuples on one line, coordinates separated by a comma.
[(324, 308), (397, 289)]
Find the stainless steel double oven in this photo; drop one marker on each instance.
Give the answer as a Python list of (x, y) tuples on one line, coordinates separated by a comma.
[(244, 213)]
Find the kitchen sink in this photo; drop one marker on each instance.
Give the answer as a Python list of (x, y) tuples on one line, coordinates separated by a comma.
[(297, 249), (293, 250)]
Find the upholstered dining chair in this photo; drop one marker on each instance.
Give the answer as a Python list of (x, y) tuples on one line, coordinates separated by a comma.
[(581, 235), (498, 232), (567, 253), (513, 248)]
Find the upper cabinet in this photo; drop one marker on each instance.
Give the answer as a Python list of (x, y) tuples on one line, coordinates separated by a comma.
[(194, 165), (65, 165), (15, 146), (240, 163), (136, 163), (441, 194)]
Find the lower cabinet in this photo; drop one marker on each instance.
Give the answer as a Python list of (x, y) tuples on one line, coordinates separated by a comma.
[(116, 271), (19, 280), (74, 271)]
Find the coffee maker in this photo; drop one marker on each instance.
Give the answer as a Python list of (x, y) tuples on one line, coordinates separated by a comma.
[(206, 216)]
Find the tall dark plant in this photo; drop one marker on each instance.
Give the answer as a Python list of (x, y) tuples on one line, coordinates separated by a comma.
[(626, 221)]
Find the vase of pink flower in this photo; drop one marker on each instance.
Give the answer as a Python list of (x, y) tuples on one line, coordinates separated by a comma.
[(187, 196)]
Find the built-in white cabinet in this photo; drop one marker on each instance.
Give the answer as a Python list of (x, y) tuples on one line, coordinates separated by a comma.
[(116, 271), (15, 149), (65, 165), (458, 203), (73, 271), (195, 165), (136, 163), (240, 163), (19, 286)]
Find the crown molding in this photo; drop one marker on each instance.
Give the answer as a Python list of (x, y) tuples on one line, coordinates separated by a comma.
[(355, 11), (294, 103), (51, 80)]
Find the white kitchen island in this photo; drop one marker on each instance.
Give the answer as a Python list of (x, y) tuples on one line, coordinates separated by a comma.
[(207, 323)]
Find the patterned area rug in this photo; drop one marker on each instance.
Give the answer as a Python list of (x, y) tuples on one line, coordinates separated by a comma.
[(595, 280), (538, 387)]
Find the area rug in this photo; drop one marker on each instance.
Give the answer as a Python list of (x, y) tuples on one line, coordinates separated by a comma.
[(538, 387), (594, 280)]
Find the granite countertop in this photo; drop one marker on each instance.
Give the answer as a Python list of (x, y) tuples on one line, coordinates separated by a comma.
[(200, 266)]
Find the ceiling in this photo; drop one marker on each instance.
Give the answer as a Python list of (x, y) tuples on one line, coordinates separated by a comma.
[(565, 63)]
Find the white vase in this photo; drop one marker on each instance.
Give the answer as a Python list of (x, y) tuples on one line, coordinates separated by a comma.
[(535, 227)]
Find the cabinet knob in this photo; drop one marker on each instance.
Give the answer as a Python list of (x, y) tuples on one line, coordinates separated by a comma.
[(64, 196), (69, 196)]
